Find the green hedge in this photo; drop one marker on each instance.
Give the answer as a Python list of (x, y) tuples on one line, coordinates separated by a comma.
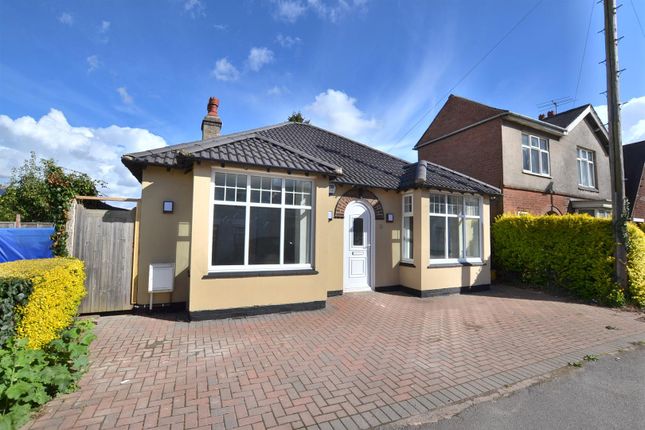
[(574, 252), (40, 297)]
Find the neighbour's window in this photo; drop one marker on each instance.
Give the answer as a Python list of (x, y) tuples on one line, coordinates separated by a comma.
[(586, 168), (535, 155), (260, 222), (407, 229), (455, 228)]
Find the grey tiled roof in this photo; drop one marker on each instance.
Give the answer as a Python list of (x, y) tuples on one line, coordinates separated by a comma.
[(563, 119), (306, 148)]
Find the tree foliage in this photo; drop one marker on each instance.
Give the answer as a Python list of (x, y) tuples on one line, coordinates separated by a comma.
[(41, 191), (297, 117)]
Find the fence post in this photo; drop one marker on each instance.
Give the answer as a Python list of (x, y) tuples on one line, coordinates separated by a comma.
[(17, 220)]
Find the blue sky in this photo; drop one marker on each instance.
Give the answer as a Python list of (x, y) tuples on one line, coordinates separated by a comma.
[(85, 82)]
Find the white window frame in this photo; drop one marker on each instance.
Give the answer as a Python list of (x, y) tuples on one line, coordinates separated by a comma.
[(588, 163), (540, 152), (462, 246), (407, 214), (246, 267)]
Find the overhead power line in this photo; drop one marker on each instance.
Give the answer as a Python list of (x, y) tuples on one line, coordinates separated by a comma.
[(640, 24), (472, 68), (584, 51)]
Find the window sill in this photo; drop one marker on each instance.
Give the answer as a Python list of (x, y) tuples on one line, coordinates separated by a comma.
[(528, 172), (588, 189), (406, 264), (456, 264), (259, 273)]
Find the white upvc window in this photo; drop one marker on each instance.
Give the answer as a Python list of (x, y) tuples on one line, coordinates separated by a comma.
[(455, 229), (586, 168), (407, 229), (260, 222), (535, 155)]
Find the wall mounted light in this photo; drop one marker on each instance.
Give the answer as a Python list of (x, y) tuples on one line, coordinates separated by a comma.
[(389, 217), (168, 206), (330, 215), (332, 189)]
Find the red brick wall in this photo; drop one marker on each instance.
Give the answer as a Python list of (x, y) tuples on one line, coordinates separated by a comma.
[(476, 152), (639, 201), (455, 114), (533, 202)]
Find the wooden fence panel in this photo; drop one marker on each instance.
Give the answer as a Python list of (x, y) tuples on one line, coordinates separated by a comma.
[(104, 240)]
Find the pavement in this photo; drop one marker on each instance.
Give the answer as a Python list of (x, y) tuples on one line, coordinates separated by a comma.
[(366, 360), (606, 394)]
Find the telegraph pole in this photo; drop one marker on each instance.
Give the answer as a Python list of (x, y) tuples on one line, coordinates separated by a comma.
[(619, 220)]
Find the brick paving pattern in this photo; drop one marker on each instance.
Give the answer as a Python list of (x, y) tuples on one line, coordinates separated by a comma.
[(364, 361)]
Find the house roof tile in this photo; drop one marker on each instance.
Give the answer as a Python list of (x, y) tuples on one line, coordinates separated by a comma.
[(307, 148)]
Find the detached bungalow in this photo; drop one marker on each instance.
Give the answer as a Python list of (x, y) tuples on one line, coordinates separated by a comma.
[(281, 217)]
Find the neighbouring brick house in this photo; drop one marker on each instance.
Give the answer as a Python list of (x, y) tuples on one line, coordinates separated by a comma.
[(556, 164), (634, 160)]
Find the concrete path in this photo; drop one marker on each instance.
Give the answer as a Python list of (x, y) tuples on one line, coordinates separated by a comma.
[(366, 360), (607, 394)]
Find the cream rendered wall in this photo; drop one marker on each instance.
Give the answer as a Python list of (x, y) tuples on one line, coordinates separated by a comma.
[(164, 238), (564, 167)]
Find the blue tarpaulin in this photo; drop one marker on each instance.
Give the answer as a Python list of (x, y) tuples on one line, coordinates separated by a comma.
[(25, 243)]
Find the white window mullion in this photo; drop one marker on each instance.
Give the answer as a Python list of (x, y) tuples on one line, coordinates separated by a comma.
[(282, 215), (247, 221)]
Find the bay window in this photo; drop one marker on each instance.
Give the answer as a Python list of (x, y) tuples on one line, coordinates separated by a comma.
[(407, 230), (535, 155), (455, 228), (260, 222)]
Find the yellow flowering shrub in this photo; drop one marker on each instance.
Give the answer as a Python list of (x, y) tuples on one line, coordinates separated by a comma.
[(57, 287)]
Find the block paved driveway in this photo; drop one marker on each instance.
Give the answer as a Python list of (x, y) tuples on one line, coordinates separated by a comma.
[(366, 360)]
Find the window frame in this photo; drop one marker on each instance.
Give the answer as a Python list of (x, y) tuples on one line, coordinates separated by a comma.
[(587, 162), (246, 267), (540, 152), (462, 259), (404, 215)]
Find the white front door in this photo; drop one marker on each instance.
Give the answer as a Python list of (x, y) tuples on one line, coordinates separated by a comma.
[(358, 247)]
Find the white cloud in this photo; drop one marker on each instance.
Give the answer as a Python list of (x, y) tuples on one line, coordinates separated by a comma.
[(277, 90), (95, 151), (287, 41), (105, 26), (632, 116), (225, 71), (289, 10), (66, 18), (337, 111), (126, 98), (258, 57), (93, 63), (221, 27), (194, 8)]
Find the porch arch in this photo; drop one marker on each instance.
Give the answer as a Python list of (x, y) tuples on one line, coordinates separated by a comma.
[(358, 193)]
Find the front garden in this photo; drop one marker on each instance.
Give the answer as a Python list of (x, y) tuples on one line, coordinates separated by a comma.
[(43, 346)]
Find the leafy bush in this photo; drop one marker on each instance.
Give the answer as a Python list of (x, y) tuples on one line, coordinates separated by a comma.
[(53, 288), (13, 293), (636, 263), (31, 377), (574, 252)]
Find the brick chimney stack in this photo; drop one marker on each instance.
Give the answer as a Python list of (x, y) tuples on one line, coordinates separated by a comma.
[(542, 116), (212, 123), (550, 113)]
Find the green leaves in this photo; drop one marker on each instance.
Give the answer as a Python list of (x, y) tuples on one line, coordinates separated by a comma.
[(42, 191), (31, 377), (571, 252), (14, 292)]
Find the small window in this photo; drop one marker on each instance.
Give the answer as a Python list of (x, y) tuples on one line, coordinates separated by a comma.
[(535, 155), (407, 230), (586, 168), (357, 231)]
